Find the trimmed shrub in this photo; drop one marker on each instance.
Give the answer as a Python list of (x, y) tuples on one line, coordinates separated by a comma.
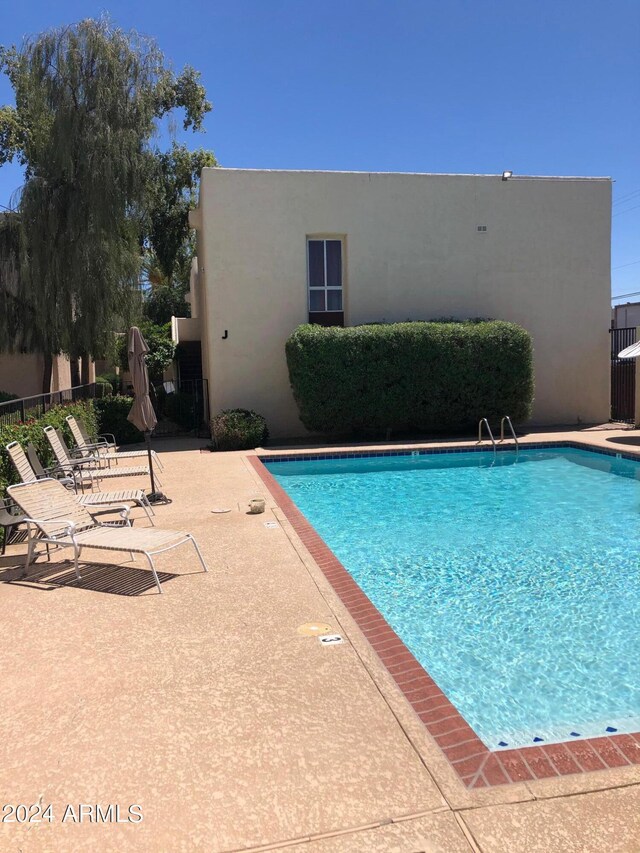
[(5, 396), (32, 431), (419, 377), (238, 429), (104, 388), (112, 417)]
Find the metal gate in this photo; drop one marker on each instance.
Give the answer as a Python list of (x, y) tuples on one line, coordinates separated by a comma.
[(182, 407), (623, 376)]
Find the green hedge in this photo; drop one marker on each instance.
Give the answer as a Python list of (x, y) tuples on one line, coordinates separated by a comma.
[(32, 430), (410, 377), (112, 417)]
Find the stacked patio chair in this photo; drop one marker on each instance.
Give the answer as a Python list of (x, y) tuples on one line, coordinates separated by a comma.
[(9, 521), (30, 470), (89, 470), (107, 439), (54, 517), (101, 448)]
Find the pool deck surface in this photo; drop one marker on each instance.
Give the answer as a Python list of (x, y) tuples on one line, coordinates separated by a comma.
[(232, 730)]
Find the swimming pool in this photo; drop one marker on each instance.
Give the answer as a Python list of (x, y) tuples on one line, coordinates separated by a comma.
[(514, 580)]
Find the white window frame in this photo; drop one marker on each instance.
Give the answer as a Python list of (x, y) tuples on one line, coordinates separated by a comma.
[(324, 241)]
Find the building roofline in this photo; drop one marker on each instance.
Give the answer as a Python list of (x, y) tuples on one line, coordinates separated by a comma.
[(515, 177)]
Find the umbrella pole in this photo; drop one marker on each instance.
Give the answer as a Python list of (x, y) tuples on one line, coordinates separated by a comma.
[(153, 497)]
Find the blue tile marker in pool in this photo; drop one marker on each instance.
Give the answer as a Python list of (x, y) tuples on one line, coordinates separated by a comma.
[(514, 583)]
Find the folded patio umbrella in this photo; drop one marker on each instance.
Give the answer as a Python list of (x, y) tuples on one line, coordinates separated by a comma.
[(142, 414)]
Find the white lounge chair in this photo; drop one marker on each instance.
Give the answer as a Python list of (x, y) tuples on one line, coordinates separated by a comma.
[(30, 470), (103, 450), (107, 439), (92, 466), (53, 517)]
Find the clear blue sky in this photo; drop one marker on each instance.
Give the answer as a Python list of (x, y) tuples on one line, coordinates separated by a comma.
[(541, 87)]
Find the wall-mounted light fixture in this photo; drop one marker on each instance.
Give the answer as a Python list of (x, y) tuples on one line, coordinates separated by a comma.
[(507, 175)]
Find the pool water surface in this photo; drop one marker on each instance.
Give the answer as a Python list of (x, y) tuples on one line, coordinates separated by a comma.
[(513, 580)]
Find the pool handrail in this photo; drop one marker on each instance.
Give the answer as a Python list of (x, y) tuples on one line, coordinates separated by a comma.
[(513, 432), (493, 441)]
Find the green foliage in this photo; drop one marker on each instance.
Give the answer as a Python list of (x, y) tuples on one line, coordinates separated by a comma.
[(422, 377), (165, 302), (88, 97), (172, 191), (112, 417), (5, 396), (161, 349), (104, 388), (110, 379), (32, 430), (238, 429), (19, 330)]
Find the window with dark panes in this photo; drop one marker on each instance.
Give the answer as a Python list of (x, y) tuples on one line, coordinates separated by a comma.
[(324, 259)]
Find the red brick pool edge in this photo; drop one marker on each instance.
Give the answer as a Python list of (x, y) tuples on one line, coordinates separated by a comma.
[(476, 765)]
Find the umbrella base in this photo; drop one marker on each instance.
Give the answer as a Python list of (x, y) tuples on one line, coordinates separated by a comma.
[(158, 498)]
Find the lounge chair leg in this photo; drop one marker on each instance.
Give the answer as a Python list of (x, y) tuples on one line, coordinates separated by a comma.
[(76, 556), (146, 509), (7, 533), (30, 550), (155, 574), (195, 545)]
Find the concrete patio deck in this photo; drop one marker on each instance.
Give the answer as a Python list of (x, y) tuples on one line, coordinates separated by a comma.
[(232, 730)]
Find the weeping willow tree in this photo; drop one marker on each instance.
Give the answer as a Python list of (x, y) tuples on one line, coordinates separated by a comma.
[(88, 97), (17, 322)]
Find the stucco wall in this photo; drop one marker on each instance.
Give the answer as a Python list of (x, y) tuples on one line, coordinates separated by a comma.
[(21, 373), (413, 251)]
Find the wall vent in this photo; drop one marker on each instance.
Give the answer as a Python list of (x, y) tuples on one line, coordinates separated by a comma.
[(482, 227)]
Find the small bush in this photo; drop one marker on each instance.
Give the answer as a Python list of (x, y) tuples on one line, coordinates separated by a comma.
[(238, 429), (112, 417), (420, 377), (104, 388), (5, 396)]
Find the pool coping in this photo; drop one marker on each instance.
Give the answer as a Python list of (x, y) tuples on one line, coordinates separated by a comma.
[(475, 764)]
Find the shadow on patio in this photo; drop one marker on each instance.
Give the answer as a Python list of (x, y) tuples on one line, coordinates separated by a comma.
[(112, 578)]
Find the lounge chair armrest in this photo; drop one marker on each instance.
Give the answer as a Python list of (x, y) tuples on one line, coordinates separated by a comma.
[(10, 509), (122, 510), (56, 470), (109, 437), (42, 524), (82, 453), (77, 463)]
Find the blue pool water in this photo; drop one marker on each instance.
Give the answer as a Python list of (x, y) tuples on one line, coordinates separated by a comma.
[(515, 584)]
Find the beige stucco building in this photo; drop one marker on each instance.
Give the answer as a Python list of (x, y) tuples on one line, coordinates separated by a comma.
[(277, 248), (21, 373)]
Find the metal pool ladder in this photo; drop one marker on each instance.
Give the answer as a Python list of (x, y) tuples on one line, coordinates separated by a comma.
[(493, 441), (513, 432)]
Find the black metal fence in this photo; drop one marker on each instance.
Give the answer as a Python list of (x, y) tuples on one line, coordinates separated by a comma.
[(15, 411), (182, 407), (623, 376)]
